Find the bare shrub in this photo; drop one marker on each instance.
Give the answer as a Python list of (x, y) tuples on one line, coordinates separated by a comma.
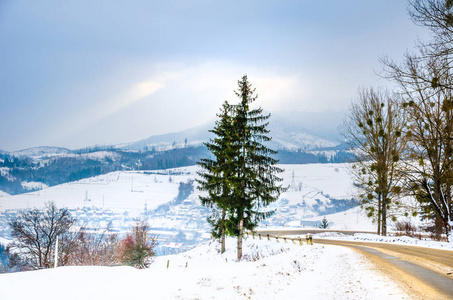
[(405, 228), (92, 249)]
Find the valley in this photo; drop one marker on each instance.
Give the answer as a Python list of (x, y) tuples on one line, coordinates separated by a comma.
[(168, 201)]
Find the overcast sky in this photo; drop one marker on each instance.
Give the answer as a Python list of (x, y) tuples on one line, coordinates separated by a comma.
[(80, 73)]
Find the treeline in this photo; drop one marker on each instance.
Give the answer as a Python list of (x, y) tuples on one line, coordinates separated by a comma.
[(79, 166), (173, 158), (63, 169), (303, 157)]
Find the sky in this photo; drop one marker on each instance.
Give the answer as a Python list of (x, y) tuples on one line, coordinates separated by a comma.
[(83, 73)]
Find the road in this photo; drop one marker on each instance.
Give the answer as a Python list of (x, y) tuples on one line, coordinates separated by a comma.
[(424, 273)]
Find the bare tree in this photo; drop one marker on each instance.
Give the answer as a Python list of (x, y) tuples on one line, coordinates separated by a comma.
[(426, 85), (374, 130), (437, 16), (36, 232)]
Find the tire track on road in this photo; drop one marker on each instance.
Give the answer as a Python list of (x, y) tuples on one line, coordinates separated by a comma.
[(408, 266)]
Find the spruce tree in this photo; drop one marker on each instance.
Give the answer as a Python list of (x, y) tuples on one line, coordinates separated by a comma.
[(241, 178), (324, 223), (215, 179), (255, 181)]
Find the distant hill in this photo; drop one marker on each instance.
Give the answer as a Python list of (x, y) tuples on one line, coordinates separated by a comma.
[(29, 169), (41, 152), (288, 132), (193, 137)]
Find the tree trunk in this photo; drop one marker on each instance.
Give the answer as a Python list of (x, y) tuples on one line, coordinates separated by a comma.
[(222, 238), (384, 216), (438, 227), (241, 231), (379, 215)]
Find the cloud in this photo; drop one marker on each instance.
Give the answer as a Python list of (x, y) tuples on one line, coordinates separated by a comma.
[(137, 92), (163, 98), (105, 108), (210, 83)]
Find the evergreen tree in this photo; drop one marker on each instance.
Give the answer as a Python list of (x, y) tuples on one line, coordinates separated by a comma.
[(324, 223), (241, 179), (217, 173), (255, 181)]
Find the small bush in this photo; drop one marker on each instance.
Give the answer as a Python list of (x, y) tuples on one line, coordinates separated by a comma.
[(137, 248), (406, 228)]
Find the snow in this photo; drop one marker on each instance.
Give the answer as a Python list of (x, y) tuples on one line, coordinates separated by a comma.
[(41, 152), (4, 241), (269, 270), (33, 185), (126, 191), (398, 240), (285, 137), (333, 180), (4, 171), (129, 191), (351, 219)]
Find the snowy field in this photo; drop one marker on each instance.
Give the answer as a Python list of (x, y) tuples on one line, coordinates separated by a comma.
[(117, 190), (351, 219), (269, 270), (333, 180), (308, 183)]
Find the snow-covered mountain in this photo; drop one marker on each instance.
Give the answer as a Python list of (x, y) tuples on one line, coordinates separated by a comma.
[(287, 132), (41, 152), (23, 171), (294, 138), (194, 137)]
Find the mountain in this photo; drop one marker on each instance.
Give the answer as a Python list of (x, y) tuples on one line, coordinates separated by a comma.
[(41, 152), (288, 131), (195, 137), (30, 169), (323, 125)]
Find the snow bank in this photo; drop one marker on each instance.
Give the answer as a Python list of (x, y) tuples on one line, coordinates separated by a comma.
[(269, 270), (374, 238)]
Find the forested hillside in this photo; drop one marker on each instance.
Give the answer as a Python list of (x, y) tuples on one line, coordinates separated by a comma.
[(28, 172)]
